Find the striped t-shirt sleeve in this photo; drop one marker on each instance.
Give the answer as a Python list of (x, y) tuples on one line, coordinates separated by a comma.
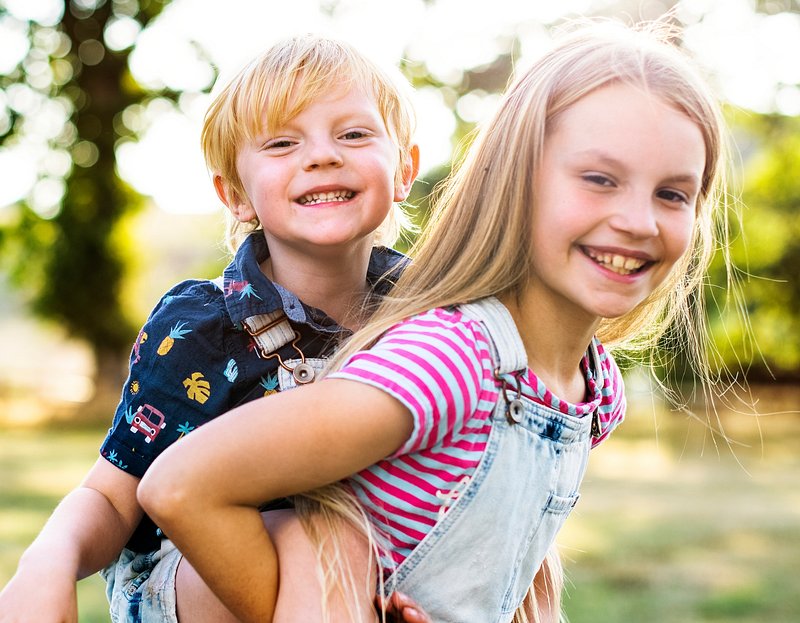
[(434, 364)]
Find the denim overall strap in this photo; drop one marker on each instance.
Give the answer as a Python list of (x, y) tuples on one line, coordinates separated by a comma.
[(508, 348), (479, 560)]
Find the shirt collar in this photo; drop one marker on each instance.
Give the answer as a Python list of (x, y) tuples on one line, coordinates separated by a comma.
[(248, 292)]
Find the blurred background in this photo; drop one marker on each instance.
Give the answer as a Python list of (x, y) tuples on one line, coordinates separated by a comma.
[(105, 203)]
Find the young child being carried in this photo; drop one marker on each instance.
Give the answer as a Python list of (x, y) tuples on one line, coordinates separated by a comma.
[(461, 416), (313, 212)]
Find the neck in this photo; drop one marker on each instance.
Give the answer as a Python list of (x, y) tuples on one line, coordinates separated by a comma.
[(334, 282), (554, 342)]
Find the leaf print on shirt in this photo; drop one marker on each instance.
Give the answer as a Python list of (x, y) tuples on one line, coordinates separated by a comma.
[(249, 291), (245, 289), (185, 429), (231, 371), (197, 388), (112, 458), (175, 333), (270, 384)]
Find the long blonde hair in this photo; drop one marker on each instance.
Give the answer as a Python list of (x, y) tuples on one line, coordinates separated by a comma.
[(477, 243), (278, 85)]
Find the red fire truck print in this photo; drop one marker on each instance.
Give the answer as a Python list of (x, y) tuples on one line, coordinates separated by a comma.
[(149, 421)]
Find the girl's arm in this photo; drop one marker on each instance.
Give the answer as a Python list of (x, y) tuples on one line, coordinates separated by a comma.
[(205, 490)]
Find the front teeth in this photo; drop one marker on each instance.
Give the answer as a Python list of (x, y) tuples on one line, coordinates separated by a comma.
[(619, 264), (335, 195)]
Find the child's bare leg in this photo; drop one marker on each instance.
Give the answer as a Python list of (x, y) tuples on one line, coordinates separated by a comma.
[(300, 594), (195, 601)]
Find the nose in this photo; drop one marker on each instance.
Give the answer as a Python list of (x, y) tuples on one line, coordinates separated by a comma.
[(322, 152), (636, 216)]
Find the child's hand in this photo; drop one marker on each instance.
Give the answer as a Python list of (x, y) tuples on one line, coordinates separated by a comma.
[(400, 608), (42, 599)]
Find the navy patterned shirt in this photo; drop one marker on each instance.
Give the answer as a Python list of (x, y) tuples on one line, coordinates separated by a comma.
[(193, 361)]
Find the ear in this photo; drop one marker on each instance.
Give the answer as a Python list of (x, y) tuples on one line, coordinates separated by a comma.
[(240, 208), (410, 171)]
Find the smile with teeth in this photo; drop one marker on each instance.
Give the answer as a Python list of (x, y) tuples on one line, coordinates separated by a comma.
[(334, 195), (620, 264)]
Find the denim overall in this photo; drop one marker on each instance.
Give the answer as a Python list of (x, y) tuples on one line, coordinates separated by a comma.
[(479, 560)]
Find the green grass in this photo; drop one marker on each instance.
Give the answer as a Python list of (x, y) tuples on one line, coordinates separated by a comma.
[(670, 528), (678, 530), (37, 468)]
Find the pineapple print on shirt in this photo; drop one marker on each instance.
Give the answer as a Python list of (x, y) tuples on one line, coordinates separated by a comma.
[(270, 384), (175, 333)]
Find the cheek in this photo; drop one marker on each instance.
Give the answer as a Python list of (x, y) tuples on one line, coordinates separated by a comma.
[(680, 239)]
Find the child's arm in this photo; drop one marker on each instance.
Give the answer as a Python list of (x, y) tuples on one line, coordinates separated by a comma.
[(86, 531), (204, 492)]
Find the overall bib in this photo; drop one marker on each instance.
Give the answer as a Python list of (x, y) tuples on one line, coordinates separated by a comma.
[(480, 559)]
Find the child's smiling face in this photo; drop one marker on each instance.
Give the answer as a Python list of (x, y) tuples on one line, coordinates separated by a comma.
[(325, 179), (615, 200)]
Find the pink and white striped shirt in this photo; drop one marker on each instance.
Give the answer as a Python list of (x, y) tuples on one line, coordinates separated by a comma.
[(439, 365)]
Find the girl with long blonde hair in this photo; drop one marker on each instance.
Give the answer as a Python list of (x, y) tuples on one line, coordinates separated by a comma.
[(460, 418)]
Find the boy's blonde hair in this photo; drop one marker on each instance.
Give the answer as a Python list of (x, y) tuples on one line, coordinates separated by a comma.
[(280, 84), (477, 243)]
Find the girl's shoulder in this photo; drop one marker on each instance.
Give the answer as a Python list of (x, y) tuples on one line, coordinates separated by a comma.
[(438, 342), (443, 320)]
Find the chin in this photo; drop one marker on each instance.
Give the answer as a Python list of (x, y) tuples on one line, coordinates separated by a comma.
[(613, 311)]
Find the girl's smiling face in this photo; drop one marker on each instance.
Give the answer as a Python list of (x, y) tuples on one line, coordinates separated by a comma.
[(615, 201)]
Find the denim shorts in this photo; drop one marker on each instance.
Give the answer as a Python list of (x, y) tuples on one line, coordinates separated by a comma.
[(141, 587)]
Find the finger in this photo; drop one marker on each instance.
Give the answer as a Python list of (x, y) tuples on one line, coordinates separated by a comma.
[(413, 615), (385, 604), (410, 611)]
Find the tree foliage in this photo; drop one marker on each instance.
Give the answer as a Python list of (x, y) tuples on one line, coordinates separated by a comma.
[(766, 250), (60, 245), (73, 95)]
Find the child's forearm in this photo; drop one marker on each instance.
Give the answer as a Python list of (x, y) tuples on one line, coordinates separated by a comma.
[(84, 534), (230, 549), (90, 526)]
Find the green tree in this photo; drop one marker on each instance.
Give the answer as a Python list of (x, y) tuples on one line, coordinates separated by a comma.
[(61, 243), (766, 249)]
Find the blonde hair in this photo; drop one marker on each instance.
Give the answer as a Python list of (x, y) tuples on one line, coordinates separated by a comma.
[(477, 243), (278, 85)]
